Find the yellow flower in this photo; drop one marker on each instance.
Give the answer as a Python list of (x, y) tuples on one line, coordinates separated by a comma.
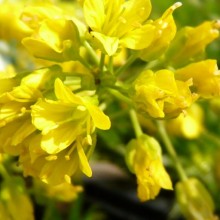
[(119, 23), (14, 133), (63, 120), (11, 109), (188, 124), (13, 28), (42, 79), (14, 202), (34, 15), (63, 192), (194, 200), (159, 95), (63, 44), (7, 85), (67, 128), (55, 169), (17, 95), (190, 43), (165, 32), (215, 105), (15, 102), (144, 158), (205, 76)]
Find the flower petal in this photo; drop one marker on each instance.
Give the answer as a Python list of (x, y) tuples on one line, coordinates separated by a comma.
[(64, 94), (84, 164), (94, 13), (60, 138), (139, 38), (110, 44), (137, 10), (100, 120), (48, 115)]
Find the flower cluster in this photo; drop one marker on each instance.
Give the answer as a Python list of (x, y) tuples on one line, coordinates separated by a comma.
[(79, 65)]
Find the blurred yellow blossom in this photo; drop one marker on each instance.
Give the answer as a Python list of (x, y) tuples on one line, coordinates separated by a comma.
[(190, 43), (33, 15), (205, 76), (64, 41), (64, 191), (194, 200), (14, 133), (188, 124), (14, 28), (14, 201)]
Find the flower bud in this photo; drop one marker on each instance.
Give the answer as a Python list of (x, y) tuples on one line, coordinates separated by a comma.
[(165, 31), (194, 200), (144, 158), (14, 202), (190, 43), (64, 41)]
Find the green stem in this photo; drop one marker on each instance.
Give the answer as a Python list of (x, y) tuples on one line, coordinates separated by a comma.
[(90, 151), (49, 210), (110, 64), (91, 52), (130, 60), (120, 96), (3, 172), (84, 62), (119, 114), (135, 122), (171, 150), (211, 137), (155, 64), (102, 63)]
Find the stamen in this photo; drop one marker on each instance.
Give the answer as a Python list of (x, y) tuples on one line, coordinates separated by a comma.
[(67, 156), (170, 10), (89, 139), (176, 5), (67, 178), (216, 72), (44, 179), (122, 20), (142, 11), (23, 109), (136, 24), (51, 157), (216, 24), (81, 108), (88, 131), (214, 32), (165, 24)]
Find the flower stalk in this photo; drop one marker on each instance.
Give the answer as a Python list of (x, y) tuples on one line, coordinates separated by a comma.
[(135, 123), (170, 149)]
